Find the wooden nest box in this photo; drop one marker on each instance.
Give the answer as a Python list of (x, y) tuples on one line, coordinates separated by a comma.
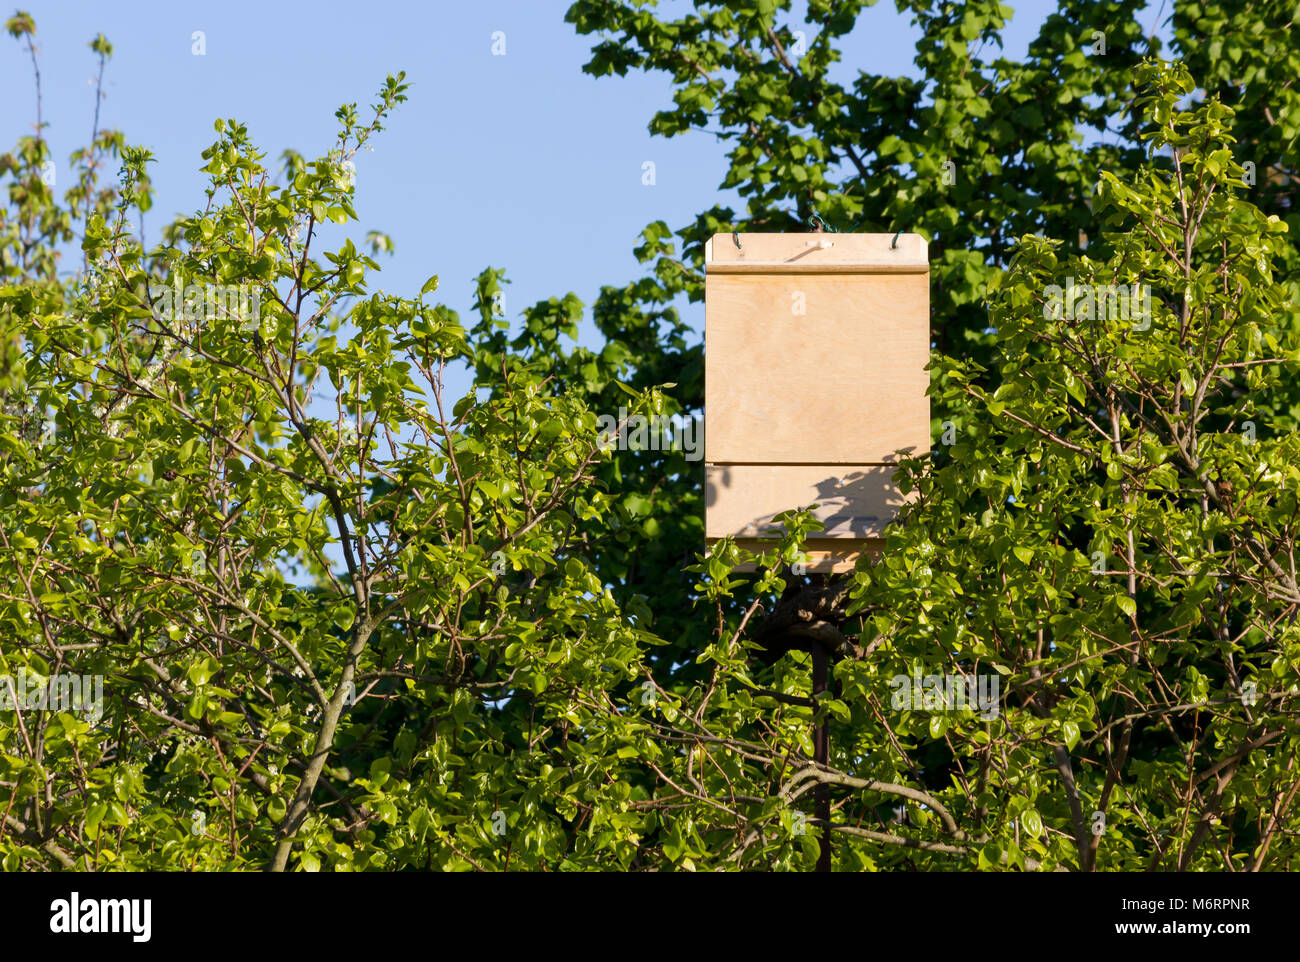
[(815, 353)]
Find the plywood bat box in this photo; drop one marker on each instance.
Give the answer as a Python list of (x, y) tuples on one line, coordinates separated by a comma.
[(815, 354)]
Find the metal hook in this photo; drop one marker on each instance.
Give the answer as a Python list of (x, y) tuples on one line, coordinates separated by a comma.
[(736, 237), (894, 246)]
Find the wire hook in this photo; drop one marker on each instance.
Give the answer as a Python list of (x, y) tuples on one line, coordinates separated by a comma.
[(894, 245), (735, 236)]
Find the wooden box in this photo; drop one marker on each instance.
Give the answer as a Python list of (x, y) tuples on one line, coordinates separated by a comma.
[(815, 380)]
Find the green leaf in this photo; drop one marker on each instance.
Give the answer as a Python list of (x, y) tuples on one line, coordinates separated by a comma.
[(201, 671), (1032, 823), (1071, 732)]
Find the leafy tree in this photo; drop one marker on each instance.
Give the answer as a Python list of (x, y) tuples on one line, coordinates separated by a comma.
[(349, 622), (977, 151), (1114, 540), (188, 427)]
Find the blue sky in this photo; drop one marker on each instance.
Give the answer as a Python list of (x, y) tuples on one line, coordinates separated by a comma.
[(518, 161)]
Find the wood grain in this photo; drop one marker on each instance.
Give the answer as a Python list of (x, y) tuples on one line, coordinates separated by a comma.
[(843, 383), (821, 557), (862, 252), (854, 501), (815, 353)]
